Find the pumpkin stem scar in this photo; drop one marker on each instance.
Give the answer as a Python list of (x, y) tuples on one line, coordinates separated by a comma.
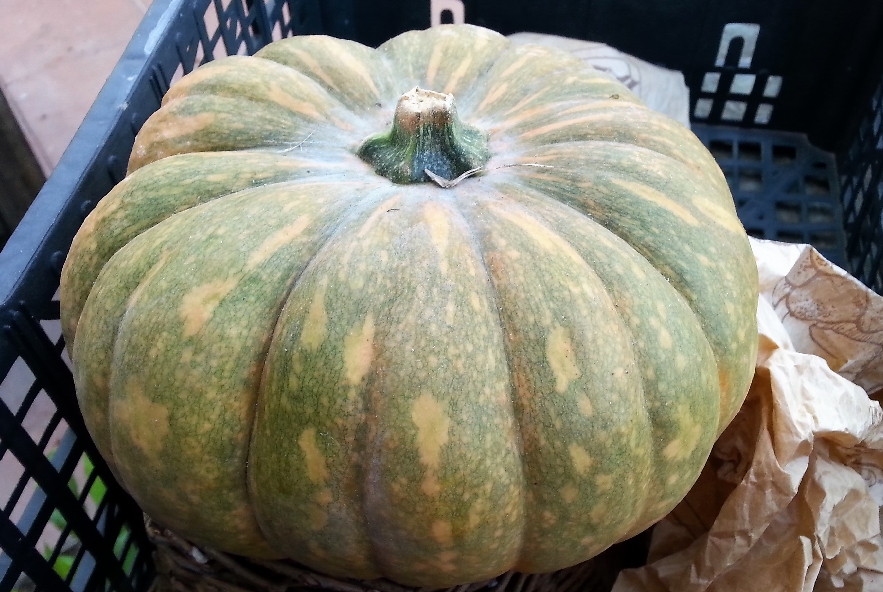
[(426, 137)]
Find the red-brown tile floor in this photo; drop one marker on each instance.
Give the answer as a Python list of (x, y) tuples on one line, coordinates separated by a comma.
[(54, 57)]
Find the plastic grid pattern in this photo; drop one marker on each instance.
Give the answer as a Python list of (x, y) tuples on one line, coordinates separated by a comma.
[(861, 176), (66, 524), (785, 189)]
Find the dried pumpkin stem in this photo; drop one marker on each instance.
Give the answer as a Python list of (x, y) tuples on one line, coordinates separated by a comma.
[(426, 135)]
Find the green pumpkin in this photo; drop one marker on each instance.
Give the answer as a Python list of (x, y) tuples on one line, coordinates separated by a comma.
[(289, 341)]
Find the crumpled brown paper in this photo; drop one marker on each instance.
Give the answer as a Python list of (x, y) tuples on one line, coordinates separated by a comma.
[(790, 499)]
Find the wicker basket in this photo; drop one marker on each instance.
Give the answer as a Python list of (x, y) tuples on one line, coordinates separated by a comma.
[(184, 567)]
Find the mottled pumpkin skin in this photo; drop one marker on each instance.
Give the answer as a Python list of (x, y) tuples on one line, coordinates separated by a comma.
[(282, 354)]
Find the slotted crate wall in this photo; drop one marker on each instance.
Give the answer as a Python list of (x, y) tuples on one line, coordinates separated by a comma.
[(861, 176), (67, 525), (785, 189)]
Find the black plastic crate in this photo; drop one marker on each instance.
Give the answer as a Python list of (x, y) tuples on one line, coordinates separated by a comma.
[(803, 153), (785, 189), (861, 180)]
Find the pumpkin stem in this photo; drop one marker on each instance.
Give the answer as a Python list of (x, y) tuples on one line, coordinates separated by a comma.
[(426, 135)]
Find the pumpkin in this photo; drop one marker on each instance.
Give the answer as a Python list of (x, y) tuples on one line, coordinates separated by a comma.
[(430, 312)]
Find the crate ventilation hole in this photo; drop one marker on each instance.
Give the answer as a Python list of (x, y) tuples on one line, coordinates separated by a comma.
[(742, 84), (447, 12)]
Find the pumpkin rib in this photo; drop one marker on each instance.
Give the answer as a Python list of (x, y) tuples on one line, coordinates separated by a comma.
[(259, 388), (225, 78), (519, 444), (532, 531), (439, 480), (310, 55), (523, 71), (116, 208), (648, 514), (191, 213), (143, 406), (550, 154), (208, 123), (420, 55), (543, 201), (643, 505), (362, 207), (543, 99), (345, 257), (695, 158), (73, 307), (538, 90), (686, 277)]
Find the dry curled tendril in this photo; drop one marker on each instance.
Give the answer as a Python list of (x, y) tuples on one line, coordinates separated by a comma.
[(448, 183)]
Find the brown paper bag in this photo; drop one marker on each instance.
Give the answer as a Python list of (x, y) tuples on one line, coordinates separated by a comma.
[(790, 499)]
